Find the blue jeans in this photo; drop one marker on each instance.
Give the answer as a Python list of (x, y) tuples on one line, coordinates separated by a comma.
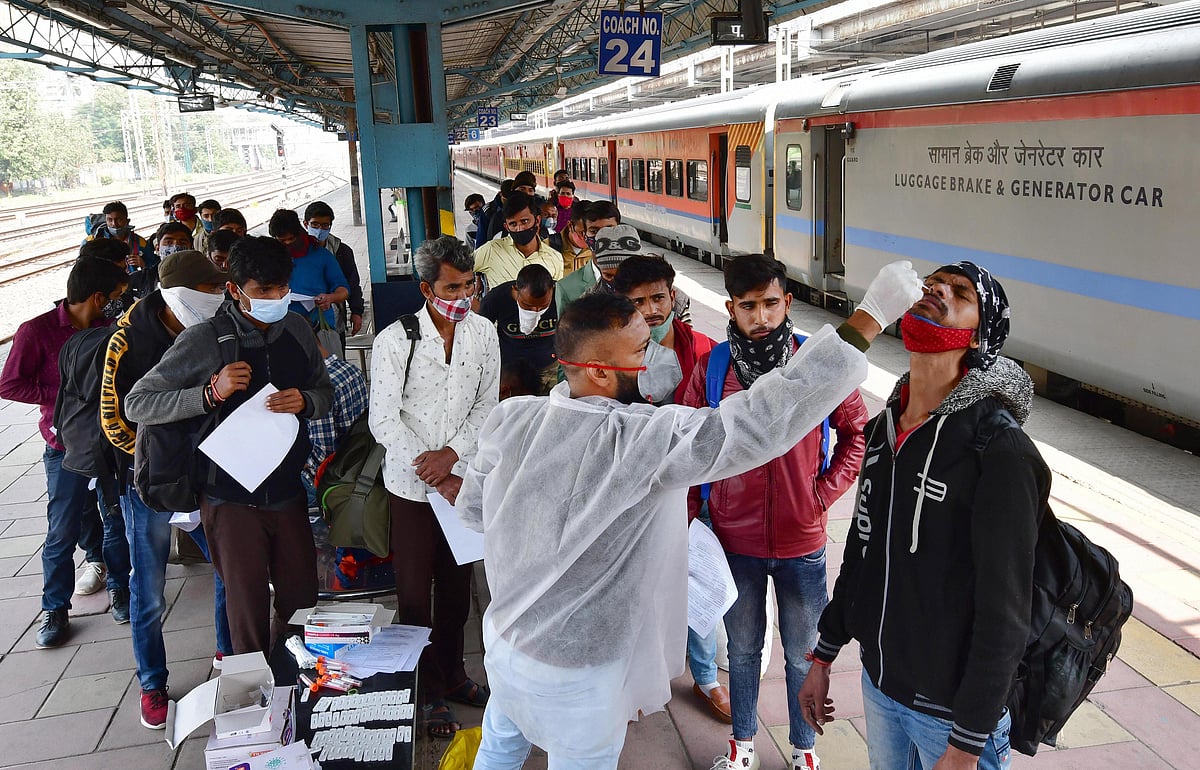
[(149, 534), (800, 594), (702, 657), (69, 501), (899, 738)]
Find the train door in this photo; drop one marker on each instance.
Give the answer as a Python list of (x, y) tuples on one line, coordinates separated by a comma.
[(611, 170), (718, 161), (833, 172)]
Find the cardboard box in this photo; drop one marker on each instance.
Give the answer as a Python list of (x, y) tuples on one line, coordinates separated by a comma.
[(293, 757), (328, 639), (239, 750), (238, 701)]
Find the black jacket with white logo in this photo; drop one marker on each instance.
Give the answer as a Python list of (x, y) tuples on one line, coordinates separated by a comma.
[(936, 580)]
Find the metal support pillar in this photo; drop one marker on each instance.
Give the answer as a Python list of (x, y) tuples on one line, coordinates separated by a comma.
[(401, 125), (352, 150)]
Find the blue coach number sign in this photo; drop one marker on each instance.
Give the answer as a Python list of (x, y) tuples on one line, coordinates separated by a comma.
[(488, 117), (630, 43)]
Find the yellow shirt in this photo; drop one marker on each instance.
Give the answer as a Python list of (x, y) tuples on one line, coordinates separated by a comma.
[(499, 260)]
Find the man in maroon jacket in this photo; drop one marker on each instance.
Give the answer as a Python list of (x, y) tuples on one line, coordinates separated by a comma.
[(771, 520)]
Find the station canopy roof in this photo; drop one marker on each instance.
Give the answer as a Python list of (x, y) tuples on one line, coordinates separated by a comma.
[(294, 57)]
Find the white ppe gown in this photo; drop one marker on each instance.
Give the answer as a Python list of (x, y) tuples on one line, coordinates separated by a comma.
[(583, 505)]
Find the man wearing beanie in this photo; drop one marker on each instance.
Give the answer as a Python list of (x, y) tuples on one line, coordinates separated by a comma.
[(937, 577), (191, 290)]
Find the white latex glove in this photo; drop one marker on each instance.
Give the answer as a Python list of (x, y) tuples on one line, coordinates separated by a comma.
[(892, 293)]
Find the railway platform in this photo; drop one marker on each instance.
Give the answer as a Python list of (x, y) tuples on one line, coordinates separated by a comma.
[(76, 706)]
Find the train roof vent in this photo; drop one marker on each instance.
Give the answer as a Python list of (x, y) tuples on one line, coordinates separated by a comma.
[(1003, 77)]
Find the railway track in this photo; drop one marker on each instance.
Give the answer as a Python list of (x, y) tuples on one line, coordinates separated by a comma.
[(54, 259), (69, 216)]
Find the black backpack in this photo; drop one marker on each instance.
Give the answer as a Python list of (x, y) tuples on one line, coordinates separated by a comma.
[(1079, 605), (77, 412), (166, 463), (350, 488)]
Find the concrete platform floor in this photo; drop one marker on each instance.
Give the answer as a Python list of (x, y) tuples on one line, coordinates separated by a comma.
[(76, 706)]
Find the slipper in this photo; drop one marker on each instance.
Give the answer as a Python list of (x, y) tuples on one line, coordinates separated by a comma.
[(440, 722), (470, 693)]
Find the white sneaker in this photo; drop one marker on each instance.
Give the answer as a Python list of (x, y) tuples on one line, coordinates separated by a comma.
[(92, 579), (805, 759), (737, 760)]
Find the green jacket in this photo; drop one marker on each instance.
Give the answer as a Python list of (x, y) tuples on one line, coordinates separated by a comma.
[(574, 286)]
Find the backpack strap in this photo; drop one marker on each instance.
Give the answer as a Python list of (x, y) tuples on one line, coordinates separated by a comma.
[(412, 328)]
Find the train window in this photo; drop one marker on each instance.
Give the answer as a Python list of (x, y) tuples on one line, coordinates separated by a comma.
[(794, 176), (697, 180), (602, 176), (623, 172), (675, 178), (741, 173), (655, 180), (639, 174), (593, 170)]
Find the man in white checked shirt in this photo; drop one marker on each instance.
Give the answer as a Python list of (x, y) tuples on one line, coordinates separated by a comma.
[(427, 414)]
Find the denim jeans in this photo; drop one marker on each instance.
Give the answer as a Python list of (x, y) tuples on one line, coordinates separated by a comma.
[(149, 534), (702, 657), (800, 594), (69, 501), (899, 738)]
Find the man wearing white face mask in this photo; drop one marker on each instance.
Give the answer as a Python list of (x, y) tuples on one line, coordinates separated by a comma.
[(526, 317), (192, 290), (258, 537), (429, 397)]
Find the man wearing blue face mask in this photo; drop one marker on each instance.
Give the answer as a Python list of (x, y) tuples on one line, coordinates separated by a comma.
[(208, 211), (258, 536), (318, 221), (118, 228)]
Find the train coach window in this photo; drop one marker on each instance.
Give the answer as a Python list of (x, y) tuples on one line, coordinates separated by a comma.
[(794, 176), (697, 180), (655, 180), (623, 172), (593, 170), (639, 174), (741, 173), (602, 176), (675, 178)]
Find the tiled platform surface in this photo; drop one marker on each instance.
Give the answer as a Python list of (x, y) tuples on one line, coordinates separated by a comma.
[(77, 706)]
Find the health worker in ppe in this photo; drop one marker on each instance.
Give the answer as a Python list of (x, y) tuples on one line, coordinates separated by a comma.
[(587, 556)]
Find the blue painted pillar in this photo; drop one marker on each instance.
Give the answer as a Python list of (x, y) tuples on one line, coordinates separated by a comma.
[(402, 135)]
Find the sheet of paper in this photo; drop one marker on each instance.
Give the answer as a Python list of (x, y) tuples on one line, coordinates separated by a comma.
[(186, 521), (393, 648), (465, 544), (307, 301), (251, 442), (711, 590)]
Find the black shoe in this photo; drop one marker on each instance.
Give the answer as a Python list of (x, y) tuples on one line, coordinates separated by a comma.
[(56, 625), (119, 601)]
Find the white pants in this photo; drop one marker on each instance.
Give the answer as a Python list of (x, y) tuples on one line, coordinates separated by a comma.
[(568, 712)]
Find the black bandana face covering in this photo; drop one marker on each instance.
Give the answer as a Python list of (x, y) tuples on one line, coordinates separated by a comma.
[(753, 358), (993, 313)]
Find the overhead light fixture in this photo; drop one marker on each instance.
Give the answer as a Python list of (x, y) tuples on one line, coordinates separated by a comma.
[(83, 18)]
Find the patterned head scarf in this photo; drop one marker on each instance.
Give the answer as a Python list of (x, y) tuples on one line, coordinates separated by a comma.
[(993, 313)]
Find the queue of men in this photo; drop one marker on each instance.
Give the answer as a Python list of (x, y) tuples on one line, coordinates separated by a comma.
[(632, 424)]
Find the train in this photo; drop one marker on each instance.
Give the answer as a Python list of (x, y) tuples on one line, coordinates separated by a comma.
[(1064, 160)]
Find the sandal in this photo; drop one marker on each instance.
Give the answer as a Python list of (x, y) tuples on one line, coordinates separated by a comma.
[(440, 722), (470, 693)]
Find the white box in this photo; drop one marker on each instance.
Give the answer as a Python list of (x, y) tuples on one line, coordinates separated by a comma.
[(239, 750), (238, 701), (326, 640)]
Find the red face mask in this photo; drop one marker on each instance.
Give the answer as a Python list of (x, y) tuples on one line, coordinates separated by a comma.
[(565, 201), (924, 336), (579, 241), (184, 213)]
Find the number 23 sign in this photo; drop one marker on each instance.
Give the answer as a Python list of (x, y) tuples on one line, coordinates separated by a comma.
[(630, 43)]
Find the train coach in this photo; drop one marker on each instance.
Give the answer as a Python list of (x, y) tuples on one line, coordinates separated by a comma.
[(1065, 160)]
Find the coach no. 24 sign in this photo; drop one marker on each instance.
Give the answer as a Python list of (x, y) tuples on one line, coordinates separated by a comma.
[(630, 43)]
